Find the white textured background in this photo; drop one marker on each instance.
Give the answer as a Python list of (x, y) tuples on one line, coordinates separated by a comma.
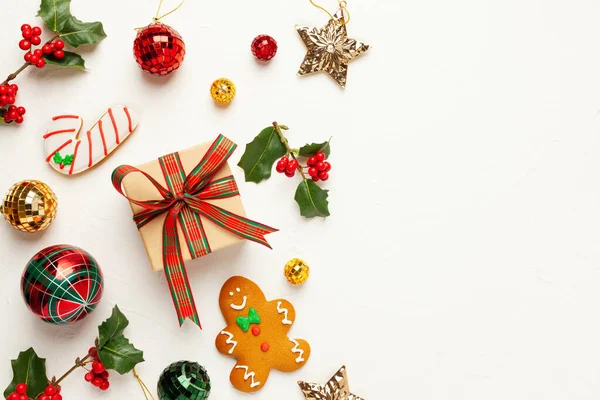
[(461, 260)]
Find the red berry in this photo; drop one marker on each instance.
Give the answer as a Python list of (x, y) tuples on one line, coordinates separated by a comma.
[(13, 396), (45, 397), (284, 160), (21, 110), (34, 59), (41, 63), (315, 178), (323, 176), (97, 382), (19, 120), (12, 108), (312, 161), (21, 388), (312, 171), (105, 385), (104, 375), (47, 49), (57, 396), (93, 352), (292, 166), (290, 174), (50, 390), (23, 397), (10, 99), (59, 44), (14, 87), (36, 30), (59, 54), (25, 26), (3, 90), (38, 53), (13, 115), (27, 34), (3, 100), (35, 40), (280, 169), (25, 44), (27, 57), (320, 156), (97, 367), (10, 91), (320, 166), (88, 377), (327, 166)]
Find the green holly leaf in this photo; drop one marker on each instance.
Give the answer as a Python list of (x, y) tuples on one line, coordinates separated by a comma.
[(55, 13), (120, 355), (70, 60), (57, 158), (112, 327), (312, 199), (260, 155), (76, 32), (29, 369), (310, 150), (68, 160)]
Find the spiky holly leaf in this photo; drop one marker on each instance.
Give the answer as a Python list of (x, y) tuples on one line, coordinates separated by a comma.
[(57, 158), (70, 60), (55, 13), (76, 32), (310, 150), (68, 160), (29, 369), (260, 155), (312, 199), (113, 327), (120, 355)]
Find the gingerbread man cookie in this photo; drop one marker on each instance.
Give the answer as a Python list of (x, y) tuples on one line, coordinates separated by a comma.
[(256, 334)]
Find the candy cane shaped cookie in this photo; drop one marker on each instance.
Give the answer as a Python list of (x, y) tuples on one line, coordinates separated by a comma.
[(70, 149)]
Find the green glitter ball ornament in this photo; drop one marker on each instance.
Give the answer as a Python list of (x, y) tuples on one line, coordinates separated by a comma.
[(184, 380)]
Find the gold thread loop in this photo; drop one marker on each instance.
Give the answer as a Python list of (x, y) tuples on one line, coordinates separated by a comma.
[(343, 7), (145, 389), (157, 18)]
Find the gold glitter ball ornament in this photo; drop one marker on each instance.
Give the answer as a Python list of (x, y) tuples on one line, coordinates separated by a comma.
[(29, 206), (296, 271), (222, 91)]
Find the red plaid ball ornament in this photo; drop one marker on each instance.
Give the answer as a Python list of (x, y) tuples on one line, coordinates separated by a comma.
[(159, 49)]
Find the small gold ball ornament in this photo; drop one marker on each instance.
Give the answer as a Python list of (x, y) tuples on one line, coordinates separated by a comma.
[(296, 271), (29, 206), (223, 91)]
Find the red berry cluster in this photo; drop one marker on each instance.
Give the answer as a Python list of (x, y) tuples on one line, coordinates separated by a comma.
[(8, 96), (318, 168), (98, 376), (50, 393), (287, 166), (31, 37)]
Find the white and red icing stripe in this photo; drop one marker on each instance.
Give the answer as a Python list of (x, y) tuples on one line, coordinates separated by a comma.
[(88, 148)]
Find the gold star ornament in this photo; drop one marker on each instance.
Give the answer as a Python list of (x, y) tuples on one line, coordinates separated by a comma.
[(336, 389), (329, 49)]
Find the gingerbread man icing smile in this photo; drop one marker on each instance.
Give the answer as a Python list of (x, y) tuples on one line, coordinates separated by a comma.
[(256, 334)]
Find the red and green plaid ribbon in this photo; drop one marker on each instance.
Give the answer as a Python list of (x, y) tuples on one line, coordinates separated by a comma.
[(185, 201)]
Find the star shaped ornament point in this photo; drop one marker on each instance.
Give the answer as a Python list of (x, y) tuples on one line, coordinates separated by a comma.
[(329, 49), (336, 389)]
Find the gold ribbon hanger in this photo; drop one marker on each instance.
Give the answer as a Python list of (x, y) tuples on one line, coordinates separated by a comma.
[(343, 6)]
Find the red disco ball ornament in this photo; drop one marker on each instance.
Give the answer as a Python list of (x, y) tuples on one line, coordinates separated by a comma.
[(264, 47), (159, 49)]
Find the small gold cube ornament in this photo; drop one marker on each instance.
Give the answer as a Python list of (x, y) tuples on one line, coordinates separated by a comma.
[(29, 206), (223, 91), (296, 271)]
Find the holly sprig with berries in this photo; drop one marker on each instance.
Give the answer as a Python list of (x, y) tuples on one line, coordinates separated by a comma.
[(270, 146), (65, 30), (112, 351)]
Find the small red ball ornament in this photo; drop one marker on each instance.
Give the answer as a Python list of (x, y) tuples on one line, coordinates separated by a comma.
[(159, 49), (264, 47)]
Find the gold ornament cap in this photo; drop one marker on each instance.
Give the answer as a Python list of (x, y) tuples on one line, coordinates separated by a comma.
[(29, 206), (296, 271), (223, 91)]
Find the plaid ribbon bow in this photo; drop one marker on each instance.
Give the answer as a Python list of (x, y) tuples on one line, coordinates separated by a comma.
[(185, 201)]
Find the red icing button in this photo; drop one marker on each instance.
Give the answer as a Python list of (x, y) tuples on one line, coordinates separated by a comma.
[(264, 347), (256, 331)]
